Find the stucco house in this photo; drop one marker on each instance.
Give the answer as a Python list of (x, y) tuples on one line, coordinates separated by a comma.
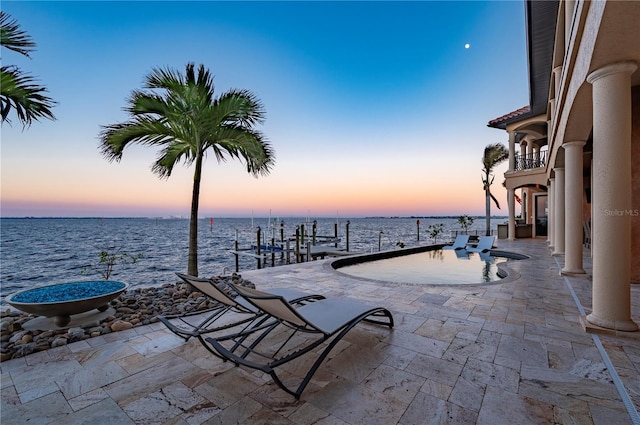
[(574, 151)]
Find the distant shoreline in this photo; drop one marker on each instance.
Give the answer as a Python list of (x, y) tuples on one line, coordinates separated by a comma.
[(381, 217)]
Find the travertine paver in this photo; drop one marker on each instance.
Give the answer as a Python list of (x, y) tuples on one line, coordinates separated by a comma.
[(504, 353)]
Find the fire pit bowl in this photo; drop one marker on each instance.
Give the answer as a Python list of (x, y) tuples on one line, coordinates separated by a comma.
[(62, 300)]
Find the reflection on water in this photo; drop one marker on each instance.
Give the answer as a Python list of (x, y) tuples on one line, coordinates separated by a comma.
[(438, 254), (437, 267)]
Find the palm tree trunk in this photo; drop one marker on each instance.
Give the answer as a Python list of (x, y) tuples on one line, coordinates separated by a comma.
[(487, 206), (488, 215), (192, 263)]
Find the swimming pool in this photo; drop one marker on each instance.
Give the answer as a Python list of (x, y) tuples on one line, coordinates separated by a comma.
[(428, 265)]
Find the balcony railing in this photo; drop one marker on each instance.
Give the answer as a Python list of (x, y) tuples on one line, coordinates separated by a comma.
[(529, 161)]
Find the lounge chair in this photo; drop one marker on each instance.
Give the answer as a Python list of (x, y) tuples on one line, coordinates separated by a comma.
[(486, 257), (462, 254), (484, 244), (193, 324), (460, 242), (317, 322)]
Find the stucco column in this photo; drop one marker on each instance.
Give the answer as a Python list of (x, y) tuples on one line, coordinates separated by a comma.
[(557, 75), (611, 196), (558, 212), (511, 234), (512, 150), (573, 227), (569, 6), (550, 217)]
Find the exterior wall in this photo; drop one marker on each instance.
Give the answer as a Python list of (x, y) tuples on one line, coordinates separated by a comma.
[(635, 186)]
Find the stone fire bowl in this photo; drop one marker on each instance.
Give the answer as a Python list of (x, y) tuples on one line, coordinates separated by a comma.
[(62, 300)]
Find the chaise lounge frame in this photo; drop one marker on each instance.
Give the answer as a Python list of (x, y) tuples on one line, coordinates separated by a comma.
[(323, 320), (186, 329)]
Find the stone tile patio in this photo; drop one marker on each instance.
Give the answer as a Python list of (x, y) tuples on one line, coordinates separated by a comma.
[(507, 353)]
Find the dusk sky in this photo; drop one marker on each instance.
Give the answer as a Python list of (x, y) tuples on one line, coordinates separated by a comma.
[(372, 108)]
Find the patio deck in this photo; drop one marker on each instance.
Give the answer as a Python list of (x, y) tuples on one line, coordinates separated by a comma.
[(507, 353)]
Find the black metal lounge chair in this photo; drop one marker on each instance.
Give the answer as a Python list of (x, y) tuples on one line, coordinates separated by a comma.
[(192, 324), (320, 321)]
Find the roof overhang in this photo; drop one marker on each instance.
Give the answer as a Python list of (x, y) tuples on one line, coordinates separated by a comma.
[(541, 20)]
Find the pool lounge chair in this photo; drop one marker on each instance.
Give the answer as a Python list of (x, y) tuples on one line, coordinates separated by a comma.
[(486, 257), (462, 254), (460, 242), (484, 244), (308, 326), (193, 323)]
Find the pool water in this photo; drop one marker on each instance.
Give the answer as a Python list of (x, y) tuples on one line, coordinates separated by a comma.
[(435, 267)]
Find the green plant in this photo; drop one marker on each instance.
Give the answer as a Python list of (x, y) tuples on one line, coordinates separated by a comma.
[(465, 222), (109, 259), (435, 231)]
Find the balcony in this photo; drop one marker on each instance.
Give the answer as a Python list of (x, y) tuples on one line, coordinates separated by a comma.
[(530, 161)]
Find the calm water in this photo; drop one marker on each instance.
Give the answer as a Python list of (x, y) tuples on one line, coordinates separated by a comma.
[(438, 267), (42, 251)]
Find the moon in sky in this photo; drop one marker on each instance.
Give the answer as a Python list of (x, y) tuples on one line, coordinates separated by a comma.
[(466, 46)]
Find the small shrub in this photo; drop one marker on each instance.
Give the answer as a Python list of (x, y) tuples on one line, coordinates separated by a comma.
[(435, 231)]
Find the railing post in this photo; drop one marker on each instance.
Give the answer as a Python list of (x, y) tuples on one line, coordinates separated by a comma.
[(418, 224), (335, 233)]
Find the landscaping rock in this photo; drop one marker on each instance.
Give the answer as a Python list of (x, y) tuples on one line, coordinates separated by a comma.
[(57, 342), (75, 334), (134, 307), (120, 325)]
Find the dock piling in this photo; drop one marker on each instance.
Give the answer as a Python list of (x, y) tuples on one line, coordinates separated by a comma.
[(258, 237)]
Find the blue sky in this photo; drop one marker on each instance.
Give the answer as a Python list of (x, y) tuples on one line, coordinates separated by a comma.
[(373, 108)]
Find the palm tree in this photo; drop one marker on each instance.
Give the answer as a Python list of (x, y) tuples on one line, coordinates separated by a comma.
[(179, 114), (494, 154), (18, 91)]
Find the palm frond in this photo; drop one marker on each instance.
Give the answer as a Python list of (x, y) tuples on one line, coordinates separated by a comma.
[(239, 106), (494, 200), (170, 155), (19, 92), (115, 138), (244, 144), (14, 38), (493, 155)]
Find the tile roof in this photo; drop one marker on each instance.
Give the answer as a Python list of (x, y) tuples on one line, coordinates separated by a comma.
[(514, 114)]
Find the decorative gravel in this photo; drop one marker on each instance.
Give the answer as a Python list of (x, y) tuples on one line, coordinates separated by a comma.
[(134, 307), (68, 292)]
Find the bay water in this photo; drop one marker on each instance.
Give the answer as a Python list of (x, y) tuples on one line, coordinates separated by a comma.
[(42, 251)]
